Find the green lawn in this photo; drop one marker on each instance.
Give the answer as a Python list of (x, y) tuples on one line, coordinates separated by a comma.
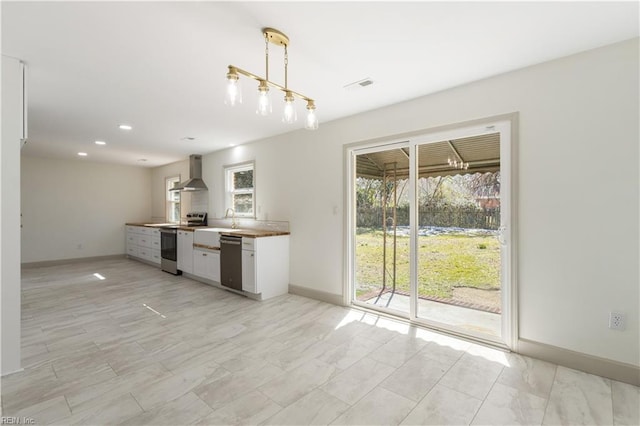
[(445, 262)]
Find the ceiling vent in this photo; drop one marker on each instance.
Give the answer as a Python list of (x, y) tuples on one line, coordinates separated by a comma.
[(356, 85)]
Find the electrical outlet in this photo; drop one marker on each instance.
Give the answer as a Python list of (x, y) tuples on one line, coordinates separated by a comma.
[(616, 320)]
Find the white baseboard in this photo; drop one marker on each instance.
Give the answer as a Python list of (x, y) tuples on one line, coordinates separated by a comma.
[(615, 370), (335, 299), (66, 261), (12, 372)]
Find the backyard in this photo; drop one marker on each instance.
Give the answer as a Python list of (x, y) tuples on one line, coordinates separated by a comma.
[(457, 266)]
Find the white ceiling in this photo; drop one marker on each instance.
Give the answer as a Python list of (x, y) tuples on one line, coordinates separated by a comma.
[(160, 66)]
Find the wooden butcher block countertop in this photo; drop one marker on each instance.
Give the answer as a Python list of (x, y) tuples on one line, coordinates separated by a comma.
[(251, 233)]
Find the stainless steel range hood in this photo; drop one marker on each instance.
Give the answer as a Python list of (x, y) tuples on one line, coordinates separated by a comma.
[(195, 182)]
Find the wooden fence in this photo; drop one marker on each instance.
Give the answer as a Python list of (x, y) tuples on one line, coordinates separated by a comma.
[(445, 216)]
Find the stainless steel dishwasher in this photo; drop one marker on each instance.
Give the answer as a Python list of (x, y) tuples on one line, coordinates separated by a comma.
[(231, 262)]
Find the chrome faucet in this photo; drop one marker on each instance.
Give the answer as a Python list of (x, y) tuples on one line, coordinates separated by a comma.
[(234, 224)]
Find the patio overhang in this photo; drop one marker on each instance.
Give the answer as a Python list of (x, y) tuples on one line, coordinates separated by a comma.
[(481, 153)]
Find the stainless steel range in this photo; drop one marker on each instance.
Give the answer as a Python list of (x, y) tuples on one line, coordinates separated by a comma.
[(197, 219), (169, 249)]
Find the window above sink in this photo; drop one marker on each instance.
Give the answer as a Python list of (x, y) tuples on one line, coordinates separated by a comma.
[(240, 189)]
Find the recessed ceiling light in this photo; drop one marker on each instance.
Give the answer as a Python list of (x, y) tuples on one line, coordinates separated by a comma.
[(232, 144), (82, 154), (125, 127), (101, 143)]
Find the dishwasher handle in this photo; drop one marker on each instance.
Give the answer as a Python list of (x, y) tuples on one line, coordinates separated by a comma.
[(231, 241)]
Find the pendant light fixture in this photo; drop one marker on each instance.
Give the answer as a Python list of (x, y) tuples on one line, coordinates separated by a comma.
[(233, 93)]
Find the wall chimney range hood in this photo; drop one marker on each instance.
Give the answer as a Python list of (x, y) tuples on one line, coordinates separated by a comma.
[(195, 182)]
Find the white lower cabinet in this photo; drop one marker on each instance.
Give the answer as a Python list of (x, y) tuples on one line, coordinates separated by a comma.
[(265, 266), (185, 251), (206, 264), (265, 260), (143, 243)]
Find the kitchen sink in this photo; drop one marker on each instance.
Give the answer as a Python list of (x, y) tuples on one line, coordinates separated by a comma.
[(211, 236)]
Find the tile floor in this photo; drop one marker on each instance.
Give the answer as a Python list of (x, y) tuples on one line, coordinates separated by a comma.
[(143, 347), (464, 318)]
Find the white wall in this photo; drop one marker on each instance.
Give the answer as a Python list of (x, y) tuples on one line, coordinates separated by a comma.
[(76, 208), (578, 190), (10, 216), (158, 176)]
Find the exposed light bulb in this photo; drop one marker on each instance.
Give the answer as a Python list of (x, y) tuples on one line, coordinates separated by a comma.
[(233, 94), (289, 114), (312, 119), (264, 99)]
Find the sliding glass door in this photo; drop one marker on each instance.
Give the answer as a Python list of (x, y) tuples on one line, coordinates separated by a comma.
[(458, 222), (382, 242), (429, 230)]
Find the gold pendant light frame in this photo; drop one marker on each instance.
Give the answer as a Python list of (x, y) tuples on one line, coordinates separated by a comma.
[(278, 38)]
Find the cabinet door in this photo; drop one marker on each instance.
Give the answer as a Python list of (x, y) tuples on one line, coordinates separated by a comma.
[(214, 266), (206, 264), (185, 251), (200, 263), (249, 271)]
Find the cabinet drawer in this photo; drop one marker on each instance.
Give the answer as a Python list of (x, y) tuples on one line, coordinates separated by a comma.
[(155, 232), (145, 253), (145, 231), (132, 239), (155, 243), (144, 241), (133, 229), (155, 256), (248, 243), (132, 251)]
